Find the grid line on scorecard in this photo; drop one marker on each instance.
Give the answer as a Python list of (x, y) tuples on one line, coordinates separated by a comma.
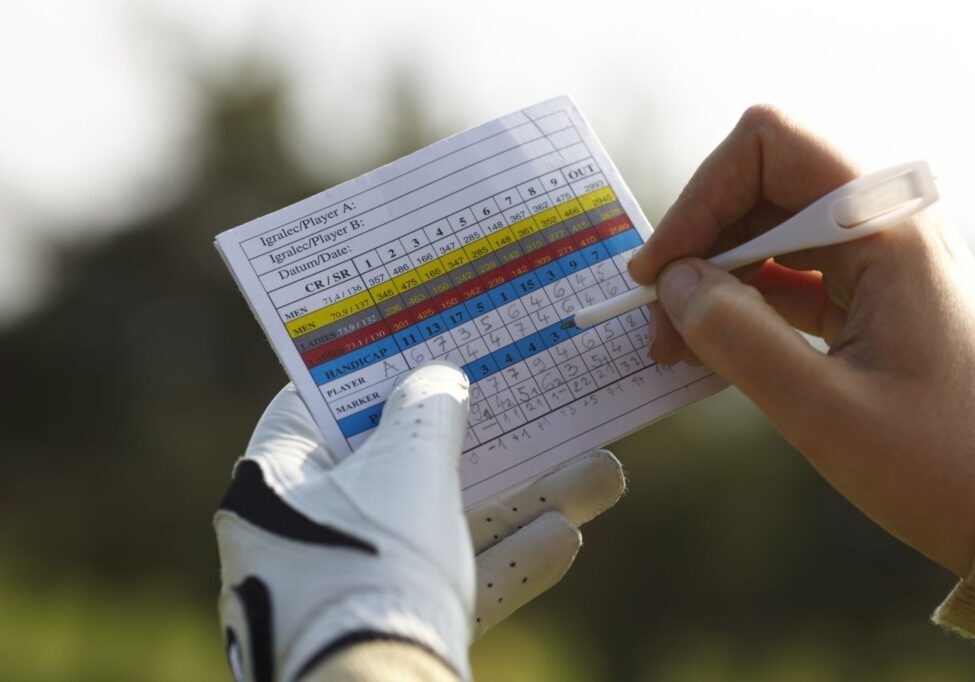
[(388, 180), (525, 162), (421, 187)]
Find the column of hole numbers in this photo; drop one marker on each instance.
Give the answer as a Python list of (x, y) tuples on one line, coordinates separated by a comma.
[(447, 237), (556, 301), (491, 404), (534, 311), (399, 257), (485, 334), (535, 372), (507, 399)]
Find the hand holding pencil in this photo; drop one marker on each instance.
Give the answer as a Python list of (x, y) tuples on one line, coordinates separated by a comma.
[(885, 416)]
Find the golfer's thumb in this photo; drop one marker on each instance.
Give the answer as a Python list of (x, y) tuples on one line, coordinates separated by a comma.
[(731, 328)]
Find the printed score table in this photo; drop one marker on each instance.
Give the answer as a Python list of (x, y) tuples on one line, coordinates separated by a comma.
[(472, 250)]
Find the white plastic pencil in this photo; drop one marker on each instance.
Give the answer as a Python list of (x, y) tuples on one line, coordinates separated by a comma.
[(857, 209)]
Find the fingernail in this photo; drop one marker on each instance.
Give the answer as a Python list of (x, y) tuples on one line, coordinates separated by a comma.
[(676, 286)]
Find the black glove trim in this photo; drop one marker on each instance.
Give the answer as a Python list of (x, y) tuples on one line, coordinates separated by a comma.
[(250, 497), (256, 599), (358, 637)]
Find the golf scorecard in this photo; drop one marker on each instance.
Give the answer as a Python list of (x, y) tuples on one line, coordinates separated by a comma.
[(472, 250)]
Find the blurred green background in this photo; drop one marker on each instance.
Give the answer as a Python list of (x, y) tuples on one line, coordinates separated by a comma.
[(131, 386)]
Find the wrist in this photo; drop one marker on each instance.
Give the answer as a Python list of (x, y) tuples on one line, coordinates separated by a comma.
[(439, 626)]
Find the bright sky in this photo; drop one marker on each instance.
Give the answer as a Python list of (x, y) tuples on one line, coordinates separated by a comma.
[(97, 115)]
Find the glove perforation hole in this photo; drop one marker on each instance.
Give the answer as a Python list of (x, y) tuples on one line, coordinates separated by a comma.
[(541, 499), (417, 421), (490, 585), (525, 579), (514, 509), (478, 619), (512, 564), (488, 519), (495, 537), (500, 599)]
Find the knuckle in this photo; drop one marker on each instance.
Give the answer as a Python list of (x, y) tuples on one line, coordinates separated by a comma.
[(763, 115)]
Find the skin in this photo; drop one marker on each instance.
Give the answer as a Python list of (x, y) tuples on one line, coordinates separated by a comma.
[(888, 415)]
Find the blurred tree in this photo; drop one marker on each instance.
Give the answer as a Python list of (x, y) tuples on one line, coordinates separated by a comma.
[(128, 396)]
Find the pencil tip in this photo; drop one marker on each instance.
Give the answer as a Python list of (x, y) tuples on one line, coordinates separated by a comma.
[(568, 324)]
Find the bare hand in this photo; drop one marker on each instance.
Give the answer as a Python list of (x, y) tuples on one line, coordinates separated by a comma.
[(888, 416)]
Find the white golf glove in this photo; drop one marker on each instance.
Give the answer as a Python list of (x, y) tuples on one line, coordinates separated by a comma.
[(318, 554)]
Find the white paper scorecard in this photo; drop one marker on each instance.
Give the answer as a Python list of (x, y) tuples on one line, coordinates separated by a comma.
[(473, 250)]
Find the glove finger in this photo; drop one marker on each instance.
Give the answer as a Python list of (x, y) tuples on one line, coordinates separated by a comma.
[(579, 489), (522, 566), (287, 444), (426, 412), (405, 477)]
